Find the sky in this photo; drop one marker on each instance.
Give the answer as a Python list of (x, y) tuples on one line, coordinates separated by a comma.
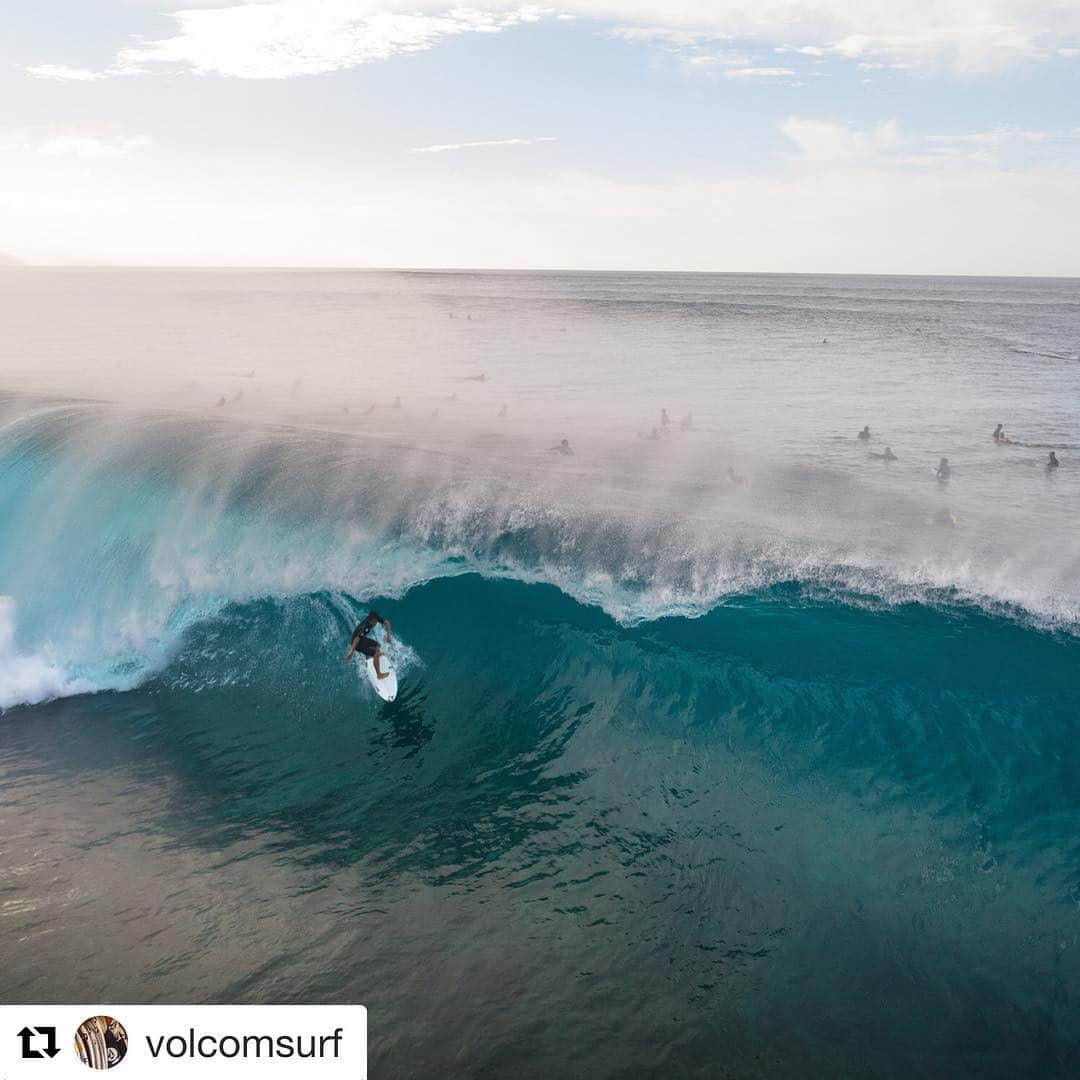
[(861, 136)]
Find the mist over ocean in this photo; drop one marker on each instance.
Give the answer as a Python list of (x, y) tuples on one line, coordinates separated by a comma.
[(724, 747)]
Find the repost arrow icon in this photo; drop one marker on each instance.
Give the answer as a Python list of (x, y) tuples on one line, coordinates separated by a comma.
[(28, 1034)]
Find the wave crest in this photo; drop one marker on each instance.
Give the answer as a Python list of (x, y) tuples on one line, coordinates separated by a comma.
[(125, 528)]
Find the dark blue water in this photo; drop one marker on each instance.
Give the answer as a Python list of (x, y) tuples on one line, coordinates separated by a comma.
[(785, 839)]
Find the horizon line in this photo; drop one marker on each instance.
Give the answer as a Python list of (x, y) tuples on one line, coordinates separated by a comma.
[(343, 268)]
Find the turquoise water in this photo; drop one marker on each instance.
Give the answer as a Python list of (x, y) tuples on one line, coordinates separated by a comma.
[(685, 778), (789, 838)]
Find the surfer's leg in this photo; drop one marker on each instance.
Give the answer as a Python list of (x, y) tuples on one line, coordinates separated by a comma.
[(376, 658)]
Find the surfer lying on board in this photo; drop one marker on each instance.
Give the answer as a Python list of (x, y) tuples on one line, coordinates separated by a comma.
[(367, 645)]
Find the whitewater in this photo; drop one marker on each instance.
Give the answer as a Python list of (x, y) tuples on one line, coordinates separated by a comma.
[(713, 735)]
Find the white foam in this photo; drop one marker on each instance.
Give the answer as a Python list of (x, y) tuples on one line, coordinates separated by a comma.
[(28, 678)]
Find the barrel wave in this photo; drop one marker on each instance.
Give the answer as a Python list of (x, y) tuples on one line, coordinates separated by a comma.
[(125, 529)]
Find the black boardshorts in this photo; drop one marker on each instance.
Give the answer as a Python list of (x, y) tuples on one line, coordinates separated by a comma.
[(362, 644)]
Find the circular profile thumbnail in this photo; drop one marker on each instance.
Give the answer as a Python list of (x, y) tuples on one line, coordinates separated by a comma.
[(101, 1042)]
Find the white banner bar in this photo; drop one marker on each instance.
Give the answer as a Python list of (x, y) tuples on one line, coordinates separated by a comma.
[(182, 1042)]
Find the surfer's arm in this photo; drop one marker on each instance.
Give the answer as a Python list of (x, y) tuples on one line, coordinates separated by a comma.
[(373, 618), (352, 649)]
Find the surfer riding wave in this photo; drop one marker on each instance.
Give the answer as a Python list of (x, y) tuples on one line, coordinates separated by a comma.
[(362, 643)]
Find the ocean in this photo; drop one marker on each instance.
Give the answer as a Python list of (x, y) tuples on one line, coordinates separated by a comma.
[(724, 747)]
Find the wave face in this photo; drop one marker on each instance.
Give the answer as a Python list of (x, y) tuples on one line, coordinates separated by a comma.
[(719, 836)]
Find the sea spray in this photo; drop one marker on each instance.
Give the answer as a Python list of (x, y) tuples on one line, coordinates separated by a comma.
[(124, 528)]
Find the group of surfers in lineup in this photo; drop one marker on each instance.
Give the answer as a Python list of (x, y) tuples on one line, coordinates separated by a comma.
[(685, 424), (942, 472), (363, 643), (663, 428), (944, 469)]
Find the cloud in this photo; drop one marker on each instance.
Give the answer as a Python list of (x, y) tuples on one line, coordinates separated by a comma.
[(289, 38), (1003, 137), (758, 72), (824, 144), (822, 141), (66, 74), (1017, 147), (443, 148), (924, 36), (285, 38), (70, 141), (975, 37), (85, 146), (700, 54), (663, 35), (970, 49), (805, 50)]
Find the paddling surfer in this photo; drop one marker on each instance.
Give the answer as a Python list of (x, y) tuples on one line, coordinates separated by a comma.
[(362, 643)]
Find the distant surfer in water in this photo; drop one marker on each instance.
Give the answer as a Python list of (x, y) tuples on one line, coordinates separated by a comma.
[(944, 470), (361, 643), (887, 456), (1053, 463), (563, 448), (865, 434)]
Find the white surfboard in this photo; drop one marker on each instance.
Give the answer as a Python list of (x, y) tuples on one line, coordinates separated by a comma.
[(385, 688)]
